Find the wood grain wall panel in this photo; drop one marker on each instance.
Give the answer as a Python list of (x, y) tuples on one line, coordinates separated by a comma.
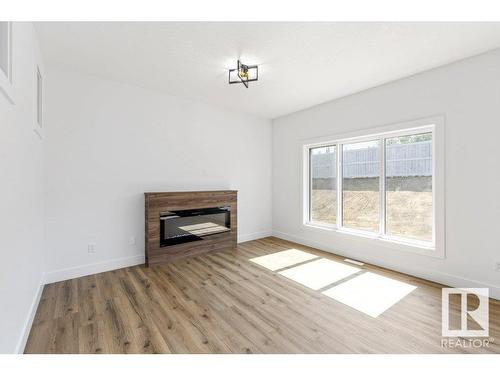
[(158, 202)]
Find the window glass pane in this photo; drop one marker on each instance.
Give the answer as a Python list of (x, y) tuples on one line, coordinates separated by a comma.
[(323, 185), (409, 186), (4, 48), (361, 189)]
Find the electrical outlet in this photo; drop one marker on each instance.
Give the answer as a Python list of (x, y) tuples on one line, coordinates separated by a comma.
[(131, 240), (497, 266), (91, 248)]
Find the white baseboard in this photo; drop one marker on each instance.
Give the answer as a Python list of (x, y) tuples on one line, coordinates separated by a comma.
[(92, 268), (431, 275), (113, 264), (29, 320), (253, 236)]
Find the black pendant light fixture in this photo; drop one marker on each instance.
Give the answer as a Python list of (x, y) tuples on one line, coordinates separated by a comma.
[(244, 74)]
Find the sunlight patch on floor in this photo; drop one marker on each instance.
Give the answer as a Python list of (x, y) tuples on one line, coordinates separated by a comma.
[(283, 259), (370, 293), (319, 273)]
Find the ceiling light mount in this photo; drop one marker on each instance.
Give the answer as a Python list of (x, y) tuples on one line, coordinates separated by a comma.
[(244, 74)]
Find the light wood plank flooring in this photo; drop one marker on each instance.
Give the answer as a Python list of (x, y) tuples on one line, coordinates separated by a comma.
[(225, 303)]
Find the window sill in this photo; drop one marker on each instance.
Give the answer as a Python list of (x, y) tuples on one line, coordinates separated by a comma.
[(395, 243)]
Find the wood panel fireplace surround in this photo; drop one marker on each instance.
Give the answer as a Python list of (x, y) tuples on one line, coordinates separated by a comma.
[(183, 224)]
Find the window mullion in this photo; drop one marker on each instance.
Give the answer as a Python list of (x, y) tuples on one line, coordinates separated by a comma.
[(340, 201), (310, 184), (382, 186)]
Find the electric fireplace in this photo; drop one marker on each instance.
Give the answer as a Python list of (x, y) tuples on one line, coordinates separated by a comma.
[(182, 226)]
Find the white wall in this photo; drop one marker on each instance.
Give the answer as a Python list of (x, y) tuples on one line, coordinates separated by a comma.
[(105, 143), (21, 196), (108, 143), (467, 93)]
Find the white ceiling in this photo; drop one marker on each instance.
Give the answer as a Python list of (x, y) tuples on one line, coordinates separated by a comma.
[(301, 64)]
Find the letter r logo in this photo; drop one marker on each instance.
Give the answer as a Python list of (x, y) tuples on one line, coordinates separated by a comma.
[(479, 315)]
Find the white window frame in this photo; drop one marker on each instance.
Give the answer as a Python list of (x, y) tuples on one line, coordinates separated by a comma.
[(434, 125), (6, 79)]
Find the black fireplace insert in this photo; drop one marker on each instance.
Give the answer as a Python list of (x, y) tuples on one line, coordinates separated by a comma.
[(182, 226)]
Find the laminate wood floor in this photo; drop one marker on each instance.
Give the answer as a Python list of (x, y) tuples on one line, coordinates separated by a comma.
[(257, 299)]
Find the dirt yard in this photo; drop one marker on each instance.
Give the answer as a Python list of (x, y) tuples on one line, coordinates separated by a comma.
[(409, 213)]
